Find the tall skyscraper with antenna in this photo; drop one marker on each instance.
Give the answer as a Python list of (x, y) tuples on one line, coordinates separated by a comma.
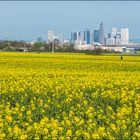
[(101, 34)]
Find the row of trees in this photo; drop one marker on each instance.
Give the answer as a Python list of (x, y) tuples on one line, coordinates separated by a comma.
[(45, 47), (35, 47), (13, 45)]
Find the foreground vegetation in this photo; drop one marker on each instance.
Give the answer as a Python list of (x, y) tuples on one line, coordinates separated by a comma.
[(69, 96)]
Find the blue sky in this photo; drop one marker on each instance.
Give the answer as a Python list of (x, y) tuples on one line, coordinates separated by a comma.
[(30, 19)]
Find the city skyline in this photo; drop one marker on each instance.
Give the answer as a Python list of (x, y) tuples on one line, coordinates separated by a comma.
[(98, 37), (65, 17)]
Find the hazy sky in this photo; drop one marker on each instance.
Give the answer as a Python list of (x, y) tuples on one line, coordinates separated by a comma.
[(28, 20)]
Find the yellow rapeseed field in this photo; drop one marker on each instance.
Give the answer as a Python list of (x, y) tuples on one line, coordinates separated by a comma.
[(69, 96)]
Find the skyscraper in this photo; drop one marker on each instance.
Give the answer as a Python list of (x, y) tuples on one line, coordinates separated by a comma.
[(101, 34), (114, 32), (96, 36), (124, 36), (118, 38), (88, 36), (109, 35), (110, 41), (51, 36), (75, 36)]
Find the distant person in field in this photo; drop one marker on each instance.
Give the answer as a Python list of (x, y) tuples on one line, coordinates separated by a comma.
[(121, 57)]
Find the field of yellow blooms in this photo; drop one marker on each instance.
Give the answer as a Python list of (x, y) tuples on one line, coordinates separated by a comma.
[(69, 96)]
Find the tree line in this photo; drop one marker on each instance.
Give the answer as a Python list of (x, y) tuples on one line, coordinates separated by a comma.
[(14, 46), (34, 47)]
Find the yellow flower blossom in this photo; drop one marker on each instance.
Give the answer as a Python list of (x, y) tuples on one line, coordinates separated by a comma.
[(9, 118), (69, 96)]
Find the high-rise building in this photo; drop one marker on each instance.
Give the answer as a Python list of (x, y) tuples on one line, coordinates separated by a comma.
[(124, 36), (114, 32), (118, 38), (96, 36), (88, 37), (75, 36), (51, 36), (109, 35), (101, 34), (56, 38), (110, 41)]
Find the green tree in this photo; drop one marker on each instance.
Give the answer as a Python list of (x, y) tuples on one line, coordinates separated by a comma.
[(38, 46)]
